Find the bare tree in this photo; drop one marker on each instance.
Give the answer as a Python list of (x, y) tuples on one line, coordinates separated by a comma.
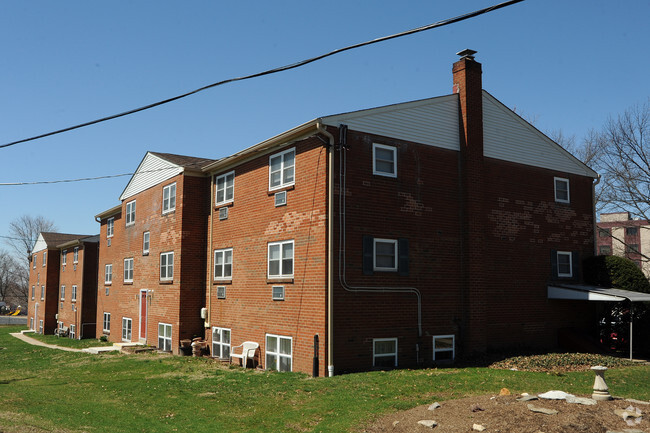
[(13, 280), (24, 231)]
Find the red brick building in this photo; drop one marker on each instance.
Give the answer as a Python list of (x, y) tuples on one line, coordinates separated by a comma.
[(400, 236), (151, 282), (77, 304), (44, 271)]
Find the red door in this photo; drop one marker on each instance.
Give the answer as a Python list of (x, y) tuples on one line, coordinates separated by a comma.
[(143, 315)]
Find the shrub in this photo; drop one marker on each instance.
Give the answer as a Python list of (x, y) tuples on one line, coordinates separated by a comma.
[(614, 271)]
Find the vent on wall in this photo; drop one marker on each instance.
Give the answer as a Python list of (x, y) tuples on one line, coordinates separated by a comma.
[(280, 198), (221, 292), (223, 213)]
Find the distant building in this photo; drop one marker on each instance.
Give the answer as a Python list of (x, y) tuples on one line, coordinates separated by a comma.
[(621, 235)]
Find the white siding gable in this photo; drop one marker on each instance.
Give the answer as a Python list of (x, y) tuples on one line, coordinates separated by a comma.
[(151, 171), (40, 244), (431, 121), (508, 137)]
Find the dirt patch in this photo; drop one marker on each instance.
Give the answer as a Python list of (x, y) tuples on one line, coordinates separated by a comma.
[(506, 414)]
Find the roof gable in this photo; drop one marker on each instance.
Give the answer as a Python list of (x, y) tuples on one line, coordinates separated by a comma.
[(152, 170), (50, 240)]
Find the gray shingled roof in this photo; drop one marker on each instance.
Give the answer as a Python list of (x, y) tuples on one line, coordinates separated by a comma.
[(54, 239), (191, 162)]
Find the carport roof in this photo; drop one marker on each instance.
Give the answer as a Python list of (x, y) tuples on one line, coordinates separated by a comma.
[(581, 292)]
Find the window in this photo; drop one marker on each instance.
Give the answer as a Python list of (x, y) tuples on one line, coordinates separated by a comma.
[(278, 293), (145, 244), (631, 231), (109, 227), (278, 352), (165, 337), (632, 248), (221, 292), (280, 259), (42, 293), (128, 270), (108, 274), (443, 347), (561, 190), (126, 329), (75, 256), (385, 255), (220, 343), (106, 327), (72, 333), (130, 213), (34, 261), (223, 264), (281, 169), (169, 198), (384, 160), (44, 258), (62, 292), (74, 293), (167, 266), (564, 264), (225, 188), (64, 257), (605, 250), (384, 352), (604, 233), (33, 292)]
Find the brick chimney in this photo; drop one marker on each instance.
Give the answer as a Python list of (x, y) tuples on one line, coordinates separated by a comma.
[(468, 86)]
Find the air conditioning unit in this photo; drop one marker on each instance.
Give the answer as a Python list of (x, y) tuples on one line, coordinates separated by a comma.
[(221, 292), (280, 198), (278, 293), (108, 242), (223, 213), (204, 313), (56, 316)]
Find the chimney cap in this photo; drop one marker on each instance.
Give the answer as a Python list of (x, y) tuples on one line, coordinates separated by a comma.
[(466, 54)]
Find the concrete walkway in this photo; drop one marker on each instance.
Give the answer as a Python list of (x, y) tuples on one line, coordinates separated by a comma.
[(94, 350)]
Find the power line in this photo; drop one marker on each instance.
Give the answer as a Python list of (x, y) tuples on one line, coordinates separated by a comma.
[(274, 70)]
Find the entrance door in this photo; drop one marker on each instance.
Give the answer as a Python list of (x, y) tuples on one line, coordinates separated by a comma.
[(143, 316)]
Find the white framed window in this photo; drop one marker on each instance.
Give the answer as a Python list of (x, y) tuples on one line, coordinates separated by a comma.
[(564, 264), (225, 188), (384, 254), (384, 352), (33, 292), (562, 190), (145, 243), (62, 292), (280, 258), (221, 292), (279, 352), (74, 292), (167, 266), (44, 258), (106, 325), (75, 255), (384, 160), (64, 257), (42, 293), (108, 274), (282, 169), (130, 213), (40, 326), (34, 257), (444, 347), (169, 198), (128, 270), (220, 342), (126, 328), (165, 337), (72, 333), (223, 264), (109, 227), (278, 293)]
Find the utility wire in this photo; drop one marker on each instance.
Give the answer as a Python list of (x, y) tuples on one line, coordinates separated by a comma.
[(275, 70)]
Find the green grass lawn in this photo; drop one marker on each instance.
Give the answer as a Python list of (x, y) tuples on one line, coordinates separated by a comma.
[(43, 389)]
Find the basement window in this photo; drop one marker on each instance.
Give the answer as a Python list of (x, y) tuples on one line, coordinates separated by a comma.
[(384, 352), (444, 348)]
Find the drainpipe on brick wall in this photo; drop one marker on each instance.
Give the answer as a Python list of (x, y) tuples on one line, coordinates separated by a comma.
[(593, 200), (330, 248)]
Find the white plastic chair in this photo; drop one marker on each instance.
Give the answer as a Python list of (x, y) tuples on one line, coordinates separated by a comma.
[(248, 349)]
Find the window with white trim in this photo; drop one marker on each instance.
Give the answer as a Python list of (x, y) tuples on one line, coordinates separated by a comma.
[(564, 264), (62, 292), (224, 188), (33, 292), (167, 266), (280, 259), (34, 257), (42, 293), (384, 160), (108, 274), (282, 169), (384, 352), (145, 243), (223, 264), (75, 255), (106, 325), (74, 292), (64, 257), (385, 255), (562, 190), (128, 270), (165, 337), (126, 328), (220, 342), (44, 258), (130, 213), (444, 347), (279, 352), (109, 227), (169, 198)]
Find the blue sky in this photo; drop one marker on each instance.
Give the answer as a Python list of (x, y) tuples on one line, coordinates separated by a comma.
[(568, 65)]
